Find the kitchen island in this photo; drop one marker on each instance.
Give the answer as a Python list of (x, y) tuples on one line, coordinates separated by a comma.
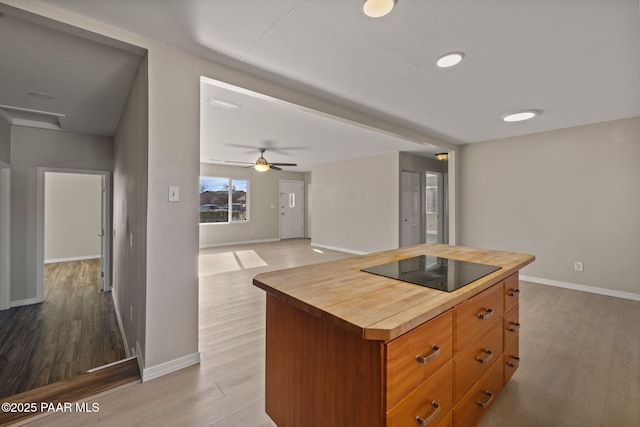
[(345, 347)]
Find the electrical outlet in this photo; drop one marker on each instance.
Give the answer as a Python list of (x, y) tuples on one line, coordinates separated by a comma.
[(578, 266)]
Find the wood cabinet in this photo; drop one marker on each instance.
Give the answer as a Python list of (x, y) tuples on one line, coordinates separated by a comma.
[(416, 355), (484, 357), (474, 404), (430, 402), (398, 354), (511, 326)]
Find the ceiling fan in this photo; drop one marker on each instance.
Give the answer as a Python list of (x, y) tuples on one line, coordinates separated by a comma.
[(262, 165)]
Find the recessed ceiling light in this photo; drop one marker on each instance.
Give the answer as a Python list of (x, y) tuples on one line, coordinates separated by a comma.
[(224, 104), (377, 8), (40, 95), (450, 59), (520, 116)]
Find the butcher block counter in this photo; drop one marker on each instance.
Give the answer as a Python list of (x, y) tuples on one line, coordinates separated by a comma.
[(346, 347)]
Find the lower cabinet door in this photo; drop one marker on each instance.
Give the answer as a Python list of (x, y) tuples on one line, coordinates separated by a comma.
[(473, 405), (428, 405)]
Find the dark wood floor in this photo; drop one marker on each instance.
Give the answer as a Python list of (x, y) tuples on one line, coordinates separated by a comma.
[(73, 330), (76, 389)]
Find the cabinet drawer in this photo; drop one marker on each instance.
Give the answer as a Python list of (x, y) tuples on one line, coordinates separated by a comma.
[(511, 291), (476, 402), (511, 358), (472, 362), (405, 371), (447, 421), (431, 401), (476, 315), (511, 325)]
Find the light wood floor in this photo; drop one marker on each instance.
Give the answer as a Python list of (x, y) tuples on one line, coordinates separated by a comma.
[(73, 330), (580, 367)]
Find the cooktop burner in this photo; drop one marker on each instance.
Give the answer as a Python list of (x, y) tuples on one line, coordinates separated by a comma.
[(433, 272)]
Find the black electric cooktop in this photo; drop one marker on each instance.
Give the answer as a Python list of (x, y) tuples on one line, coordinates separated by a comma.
[(443, 274)]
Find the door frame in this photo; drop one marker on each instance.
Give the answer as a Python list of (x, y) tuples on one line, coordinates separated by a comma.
[(106, 218), (5, 236)]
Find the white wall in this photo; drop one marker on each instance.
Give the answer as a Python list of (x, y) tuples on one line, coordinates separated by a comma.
[(5, 141), (130, 213), (172, 227), (355, 204), (566, 195), (264, 206), (5, 211), (5, 237), (30, 149), (72, 216)]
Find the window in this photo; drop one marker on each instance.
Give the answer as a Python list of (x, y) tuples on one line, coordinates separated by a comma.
[(223, 199)]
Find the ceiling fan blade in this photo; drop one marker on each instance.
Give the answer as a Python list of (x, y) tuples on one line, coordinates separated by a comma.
[(271, 166), (246, 163), (284, 164)]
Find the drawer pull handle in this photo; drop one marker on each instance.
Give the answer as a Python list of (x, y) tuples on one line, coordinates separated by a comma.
[(425, 421), (434, 354), (513, 292), (515, 363), (515, 327), (486, 359), (488, 402), (488, 314)]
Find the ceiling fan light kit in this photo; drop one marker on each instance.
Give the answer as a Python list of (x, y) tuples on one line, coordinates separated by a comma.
[(262, 165)]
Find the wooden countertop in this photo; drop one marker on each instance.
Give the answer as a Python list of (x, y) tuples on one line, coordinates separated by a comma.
[(376, 307)]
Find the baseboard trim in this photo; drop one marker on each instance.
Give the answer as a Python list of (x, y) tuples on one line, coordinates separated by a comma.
[(169, 367), (76, 258), (108, 365), (22, 302), (582, 288), (245, 242), (335, 248)]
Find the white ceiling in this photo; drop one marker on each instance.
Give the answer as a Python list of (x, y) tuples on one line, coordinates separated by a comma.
[(88, 76), (577, 60), (290, 133)]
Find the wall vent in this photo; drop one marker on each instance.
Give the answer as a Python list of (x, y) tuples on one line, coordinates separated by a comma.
[(17, 116)]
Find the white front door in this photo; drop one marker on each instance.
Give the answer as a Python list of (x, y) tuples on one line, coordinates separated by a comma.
[(410, 212), (291, 209)]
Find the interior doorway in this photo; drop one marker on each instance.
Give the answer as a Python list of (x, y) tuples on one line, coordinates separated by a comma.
[(410, 209), (434, 198), (291, 209), (74, 217)]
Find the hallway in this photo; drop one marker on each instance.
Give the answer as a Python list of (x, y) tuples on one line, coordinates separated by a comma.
[(75, 329)]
